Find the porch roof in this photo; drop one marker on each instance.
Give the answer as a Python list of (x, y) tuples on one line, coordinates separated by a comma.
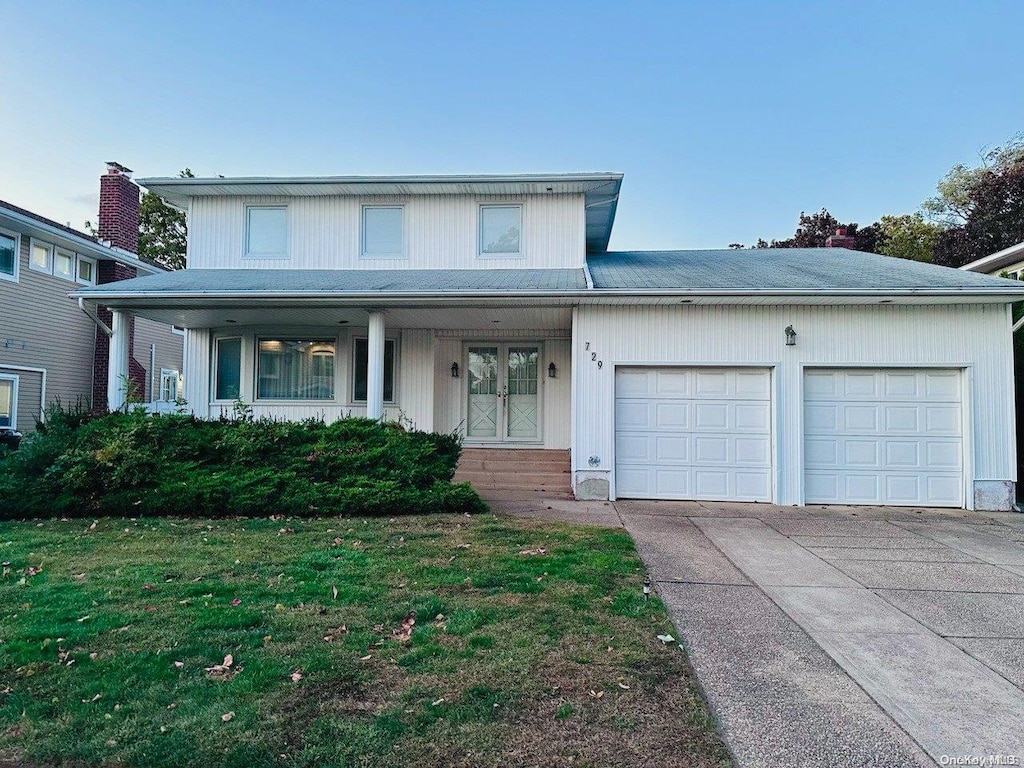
[(195, 283)]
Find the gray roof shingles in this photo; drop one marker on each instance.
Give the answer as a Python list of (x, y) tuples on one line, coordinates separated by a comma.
[(774, 269), (317, 281)]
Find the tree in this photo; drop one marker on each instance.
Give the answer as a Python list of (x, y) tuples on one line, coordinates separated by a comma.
[(813, 230), (162, 230), (980, 209), (908, 236)]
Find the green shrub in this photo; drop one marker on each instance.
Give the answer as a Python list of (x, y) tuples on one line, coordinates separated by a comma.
[(136, 464)]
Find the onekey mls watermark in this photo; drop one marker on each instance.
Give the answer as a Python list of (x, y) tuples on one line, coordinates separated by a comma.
[(985, 761)]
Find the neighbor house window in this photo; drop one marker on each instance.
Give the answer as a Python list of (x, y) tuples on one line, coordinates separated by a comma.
[(382, 232), (359, 366), (41, 256), (86, 270), (227, 383), (8, 401), (8, 256), (64, 264), (168, 384), (266, 232), (295, 369), (500, 229)]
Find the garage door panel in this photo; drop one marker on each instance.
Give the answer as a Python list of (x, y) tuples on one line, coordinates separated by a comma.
[(692, 433), (883, 436), (752, 416)]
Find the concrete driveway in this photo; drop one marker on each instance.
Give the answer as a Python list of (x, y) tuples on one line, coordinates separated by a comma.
[(846, 636)]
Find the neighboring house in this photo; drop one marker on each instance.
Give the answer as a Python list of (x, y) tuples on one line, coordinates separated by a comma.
[(49, 348), (1008, 262), (491, 305)]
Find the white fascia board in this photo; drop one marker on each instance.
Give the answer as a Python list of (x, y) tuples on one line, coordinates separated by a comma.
[(996, 260)]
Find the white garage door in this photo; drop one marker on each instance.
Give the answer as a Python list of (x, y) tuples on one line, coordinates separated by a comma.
[(693, 433), (883, 437)]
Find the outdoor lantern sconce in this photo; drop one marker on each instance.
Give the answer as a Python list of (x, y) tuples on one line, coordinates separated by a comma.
[(552, 371), (455, 370), (790, 336)]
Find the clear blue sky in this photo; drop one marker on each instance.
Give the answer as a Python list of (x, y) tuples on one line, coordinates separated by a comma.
[(728, 118)]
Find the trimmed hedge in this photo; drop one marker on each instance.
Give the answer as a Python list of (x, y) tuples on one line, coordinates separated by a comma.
[(172, 464)]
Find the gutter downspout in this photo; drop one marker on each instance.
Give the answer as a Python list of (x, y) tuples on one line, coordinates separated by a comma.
[(94, 317), (1017, 326)]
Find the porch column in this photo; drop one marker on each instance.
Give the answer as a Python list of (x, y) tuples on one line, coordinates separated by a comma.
[(117, 359), (375, 366)]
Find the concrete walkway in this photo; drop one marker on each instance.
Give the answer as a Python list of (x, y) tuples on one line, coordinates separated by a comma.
[(841, 636)]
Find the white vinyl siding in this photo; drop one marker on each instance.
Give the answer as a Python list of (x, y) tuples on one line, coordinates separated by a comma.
[(693, 433), (266, 232), (440, 232), (888, 437), (383, 232)]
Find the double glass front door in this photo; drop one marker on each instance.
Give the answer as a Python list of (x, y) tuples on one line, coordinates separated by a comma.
[(503, 392)]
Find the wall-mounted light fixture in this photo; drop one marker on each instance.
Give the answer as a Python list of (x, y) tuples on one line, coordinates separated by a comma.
[(552, 371), (455, 370), (790, 336)]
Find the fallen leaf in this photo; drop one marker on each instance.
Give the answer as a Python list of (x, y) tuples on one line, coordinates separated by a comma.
[(437, 703), (93, 655), (334, 593), (367, 657), (111, 742), (97, 697), (236, 602), (596, 694), (179, 664), (147, 586), (338, 541), (223, 671), (334, 634), (403, 632), (536, 551), (296, 675), (279, 607), (666, 639), (623, 686), (77, 576), (227, 716), (84, 618), (149, 608)]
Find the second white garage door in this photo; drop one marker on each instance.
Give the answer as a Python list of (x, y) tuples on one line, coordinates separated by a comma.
[(876, 436), (693, 433)]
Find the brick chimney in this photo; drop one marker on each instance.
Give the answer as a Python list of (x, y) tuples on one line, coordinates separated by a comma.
[(118, 223), (841, 240)]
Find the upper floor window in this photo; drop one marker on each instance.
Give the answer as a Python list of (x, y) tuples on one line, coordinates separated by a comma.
[(86, 270), (8, 256), (41, 257), (500, 230), (64, 264), (266, 232), (382, 232)]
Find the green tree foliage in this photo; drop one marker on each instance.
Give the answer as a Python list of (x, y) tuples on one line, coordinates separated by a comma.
[(162, 230), (980, 209), (812, 230), (909, 236)]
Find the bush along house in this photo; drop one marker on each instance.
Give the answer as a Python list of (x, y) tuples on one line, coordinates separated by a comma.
[(50, 349), (491, 305)]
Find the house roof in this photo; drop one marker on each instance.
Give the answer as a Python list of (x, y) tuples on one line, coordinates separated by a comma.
[(32, 224), (998, 260), (600, 190), (782, 271), (342, 282)]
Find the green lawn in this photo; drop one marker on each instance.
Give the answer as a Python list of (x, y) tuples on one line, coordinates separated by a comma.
[(532, 645)]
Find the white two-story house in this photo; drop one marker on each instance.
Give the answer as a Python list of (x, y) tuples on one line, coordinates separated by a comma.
[(491, 305)]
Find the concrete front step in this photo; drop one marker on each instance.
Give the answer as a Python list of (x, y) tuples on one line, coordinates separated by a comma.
[(522, 478), (487, 465)]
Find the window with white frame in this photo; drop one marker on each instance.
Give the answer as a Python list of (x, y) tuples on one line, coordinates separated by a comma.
[(86, 270), (383, 237), (295, 369), (64, 264), (40, 256), (500, 230), (266, 232), (8, 401), (8, 256), (227, 384), (169, 379), (360, 364)]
